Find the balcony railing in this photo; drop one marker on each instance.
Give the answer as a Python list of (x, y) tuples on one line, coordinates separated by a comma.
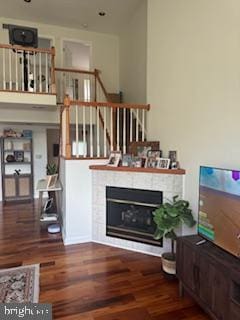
[(93, 129), (27, 69), (91, 125)]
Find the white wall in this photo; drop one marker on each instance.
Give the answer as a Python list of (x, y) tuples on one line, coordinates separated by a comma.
[(105, 47), (77, 55), (77, 200), (14, 98), (39, 152), (63, 195), (133, 58), (194, 83), (20, 113)]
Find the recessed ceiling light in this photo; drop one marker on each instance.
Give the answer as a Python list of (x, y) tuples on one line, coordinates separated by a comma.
[(27, 0), (101, 13)]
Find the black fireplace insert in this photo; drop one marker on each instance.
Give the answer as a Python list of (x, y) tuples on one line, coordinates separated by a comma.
[(129, 214)]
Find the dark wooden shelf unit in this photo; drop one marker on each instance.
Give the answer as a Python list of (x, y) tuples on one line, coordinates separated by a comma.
[(211, 276), (17, 187)]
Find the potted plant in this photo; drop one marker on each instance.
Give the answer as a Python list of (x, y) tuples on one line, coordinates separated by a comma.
[(168, 217), (51, 169)]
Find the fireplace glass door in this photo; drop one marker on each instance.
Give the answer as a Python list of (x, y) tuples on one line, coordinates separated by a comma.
[(129, 214)]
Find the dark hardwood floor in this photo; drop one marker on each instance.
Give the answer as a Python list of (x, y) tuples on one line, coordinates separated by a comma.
[(90, 281)]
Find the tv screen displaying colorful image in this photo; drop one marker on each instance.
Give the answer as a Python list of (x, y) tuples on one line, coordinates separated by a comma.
[(219, 207)]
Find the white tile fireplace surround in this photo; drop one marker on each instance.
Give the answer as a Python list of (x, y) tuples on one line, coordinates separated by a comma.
[(170, 182)]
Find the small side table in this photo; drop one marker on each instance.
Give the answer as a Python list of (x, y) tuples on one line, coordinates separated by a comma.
[(42, 187)]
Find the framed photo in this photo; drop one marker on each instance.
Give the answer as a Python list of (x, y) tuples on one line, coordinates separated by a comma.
[(141, 148), (174, 165), (114, 159), (154, 154), (151, 162), (144, 160), (172, 155), (52, 180), (19, 156), (127, 160), (163, 163), (137, 162)]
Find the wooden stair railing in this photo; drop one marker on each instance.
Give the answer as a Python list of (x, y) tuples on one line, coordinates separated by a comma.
[(91, 75), (140, 134), (97, 143), (134, 129)]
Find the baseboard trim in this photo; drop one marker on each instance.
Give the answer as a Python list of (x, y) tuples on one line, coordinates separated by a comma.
[(129, 249), (75, 240)]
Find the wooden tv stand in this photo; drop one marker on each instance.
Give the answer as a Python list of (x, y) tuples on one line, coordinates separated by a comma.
[(211, 276)]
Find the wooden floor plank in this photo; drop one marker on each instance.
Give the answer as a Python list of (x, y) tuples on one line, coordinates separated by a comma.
[(90, 281)]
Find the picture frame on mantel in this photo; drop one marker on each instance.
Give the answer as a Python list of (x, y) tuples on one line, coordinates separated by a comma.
[(163, 163), (141, 148), (114, 159)]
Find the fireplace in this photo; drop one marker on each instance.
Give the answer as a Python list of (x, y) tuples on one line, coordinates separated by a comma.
[(129, 214)]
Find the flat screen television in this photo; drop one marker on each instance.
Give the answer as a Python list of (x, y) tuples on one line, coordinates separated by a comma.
[(23, 36), (219, 207)]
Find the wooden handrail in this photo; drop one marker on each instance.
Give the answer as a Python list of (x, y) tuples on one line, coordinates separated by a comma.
[(101, 85), (95, 84), (102, 123), (21, 48), (110, 105), (98, 79), (74, 71)]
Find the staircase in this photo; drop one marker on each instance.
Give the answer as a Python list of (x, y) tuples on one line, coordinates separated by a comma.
[(92, 121), (91, 124)]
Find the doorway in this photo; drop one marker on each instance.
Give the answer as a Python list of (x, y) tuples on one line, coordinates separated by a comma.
[(53, 145), (76, 55)]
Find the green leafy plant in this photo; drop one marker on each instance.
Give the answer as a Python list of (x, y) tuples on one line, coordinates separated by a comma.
[(169, 216), (51, 168)]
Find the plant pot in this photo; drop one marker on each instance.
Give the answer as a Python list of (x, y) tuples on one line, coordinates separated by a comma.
[(169, 263)]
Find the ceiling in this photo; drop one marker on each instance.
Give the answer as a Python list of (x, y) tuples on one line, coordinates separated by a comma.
[(73, 13)]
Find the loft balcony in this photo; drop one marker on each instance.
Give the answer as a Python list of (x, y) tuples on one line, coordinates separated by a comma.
[(27, 76), (92, 122)]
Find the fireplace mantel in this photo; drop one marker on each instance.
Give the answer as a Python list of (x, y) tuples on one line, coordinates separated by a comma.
[(144, 170)]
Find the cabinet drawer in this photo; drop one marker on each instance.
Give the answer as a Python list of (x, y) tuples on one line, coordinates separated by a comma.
[(10, 187), (24, 186)]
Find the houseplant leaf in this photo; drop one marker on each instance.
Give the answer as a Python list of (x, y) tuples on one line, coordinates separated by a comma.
[(169, 216)]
